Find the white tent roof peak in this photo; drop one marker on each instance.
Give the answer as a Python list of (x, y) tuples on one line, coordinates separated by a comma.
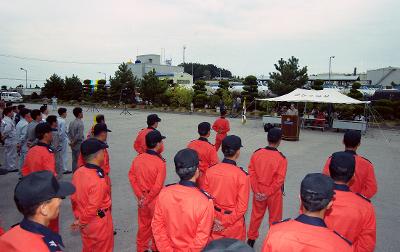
[(318, 96)]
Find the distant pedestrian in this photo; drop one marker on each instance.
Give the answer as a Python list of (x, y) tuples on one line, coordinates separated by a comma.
[(9, 136), (76, 135), (54, 103), (45, 112), (221, 127)]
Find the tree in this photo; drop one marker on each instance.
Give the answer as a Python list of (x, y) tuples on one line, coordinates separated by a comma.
[(354, 93), (87, 90), (151, 88), (223, 85), (123, 79), (318, 85), (73, 88), (202, 71), (288, 77), (3, 87), (180, 96), (100, 93), (54, 86), (200, 97), (250, 88)]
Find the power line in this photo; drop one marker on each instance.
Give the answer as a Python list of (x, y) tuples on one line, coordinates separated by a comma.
[(18, 79), (58, 61)]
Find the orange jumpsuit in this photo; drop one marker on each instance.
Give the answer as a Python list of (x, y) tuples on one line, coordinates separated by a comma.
[(91, 204), (353, 216), (30, 236), (140, 142), (267, 171), (207, 156), (305, 234), (221, 126), (105, 166), (147, 176), (230, 187), (183, 218), (39, 158), (364, 181)]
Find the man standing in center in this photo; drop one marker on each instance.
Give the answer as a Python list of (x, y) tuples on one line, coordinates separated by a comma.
[(230, 187), (147, 176), (75, 134), (91, 203), (140, 142), (221, 127), (205, 150), (267, 170)]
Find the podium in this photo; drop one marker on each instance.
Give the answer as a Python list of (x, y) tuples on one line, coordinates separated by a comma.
[(290, 127)]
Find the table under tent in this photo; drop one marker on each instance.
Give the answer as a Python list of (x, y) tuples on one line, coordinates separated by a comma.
[(327, 96)]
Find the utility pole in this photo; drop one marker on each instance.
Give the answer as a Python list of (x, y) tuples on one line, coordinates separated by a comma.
[(105, 75), (330, 67), (184, 49), (26, 77)]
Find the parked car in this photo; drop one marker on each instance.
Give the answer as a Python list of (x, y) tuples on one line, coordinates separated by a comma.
[(11, 97)]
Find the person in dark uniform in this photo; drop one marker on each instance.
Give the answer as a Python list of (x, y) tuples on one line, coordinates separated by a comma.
[(38, 197), (308, 232)]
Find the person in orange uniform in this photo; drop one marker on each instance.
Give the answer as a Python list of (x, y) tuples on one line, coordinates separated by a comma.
[(41, 156), (364, 181), (267, 171), (221, 127), (38, 198), (351, 214), (147, 176), (92, 200), (207, 153), (140, 142), (230, 187), (308, 232), (184, 214), (100, 132), (98, 119)]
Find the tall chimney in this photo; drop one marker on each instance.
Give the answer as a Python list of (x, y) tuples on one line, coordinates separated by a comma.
[(355, 71)]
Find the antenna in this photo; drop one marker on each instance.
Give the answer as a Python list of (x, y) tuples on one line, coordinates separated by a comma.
[(184, 49)]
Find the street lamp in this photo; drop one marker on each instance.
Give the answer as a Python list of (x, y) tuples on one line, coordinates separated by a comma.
[(105, 75), (26, 77), (330, 65)]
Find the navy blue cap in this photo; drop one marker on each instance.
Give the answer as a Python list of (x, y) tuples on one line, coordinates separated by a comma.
[(40, 186), (100, 127), (342, 166), (227, 244), (154, 137), (203, 128), (186, 158), (91, 146), (317, 186), (153, 118), (232, 142), (274, 135)]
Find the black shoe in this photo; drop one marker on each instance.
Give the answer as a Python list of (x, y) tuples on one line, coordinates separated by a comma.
[(15, 170), (115, 232), (67, 172), (251, 242)]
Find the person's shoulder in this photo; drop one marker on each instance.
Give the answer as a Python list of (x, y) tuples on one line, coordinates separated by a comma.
[(342, 238), (364, 160), (363, 198), (281, 221)]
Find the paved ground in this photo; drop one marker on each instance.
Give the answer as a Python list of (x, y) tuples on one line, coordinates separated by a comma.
[(305, 156)]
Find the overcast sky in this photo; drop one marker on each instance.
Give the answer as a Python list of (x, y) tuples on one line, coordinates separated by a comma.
[(246, 37)]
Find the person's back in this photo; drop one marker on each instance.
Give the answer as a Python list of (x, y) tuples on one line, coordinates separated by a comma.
[(184, 204), (304, 234)]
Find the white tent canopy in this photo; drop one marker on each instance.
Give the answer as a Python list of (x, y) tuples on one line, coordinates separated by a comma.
[(318, 96)]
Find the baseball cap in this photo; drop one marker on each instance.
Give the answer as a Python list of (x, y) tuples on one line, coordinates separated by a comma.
[(153, 118), (274, 135), (203, 128), (317, 186), (41, 129), (91, 146), (186, 158), (40, 186), (232, 142), (154, 137), (100, 127), (227, 244)]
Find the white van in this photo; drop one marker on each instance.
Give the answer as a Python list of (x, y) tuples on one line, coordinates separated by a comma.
[(11, 97)]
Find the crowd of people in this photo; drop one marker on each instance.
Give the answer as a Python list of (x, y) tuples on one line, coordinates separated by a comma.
[(203, 211)]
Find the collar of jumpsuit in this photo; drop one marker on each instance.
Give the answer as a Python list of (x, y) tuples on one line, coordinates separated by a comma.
[(203, 139), (52, 240), (314, 221), (343, 188), (228, 161), (99, 170), (271, 148), (351, 151), (187, 183)]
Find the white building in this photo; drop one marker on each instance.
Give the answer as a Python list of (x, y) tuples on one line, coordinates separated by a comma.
[(384, 77), (150, 62)]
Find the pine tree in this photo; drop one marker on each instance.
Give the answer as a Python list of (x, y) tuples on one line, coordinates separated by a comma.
[(200, 97), (250, 88)]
